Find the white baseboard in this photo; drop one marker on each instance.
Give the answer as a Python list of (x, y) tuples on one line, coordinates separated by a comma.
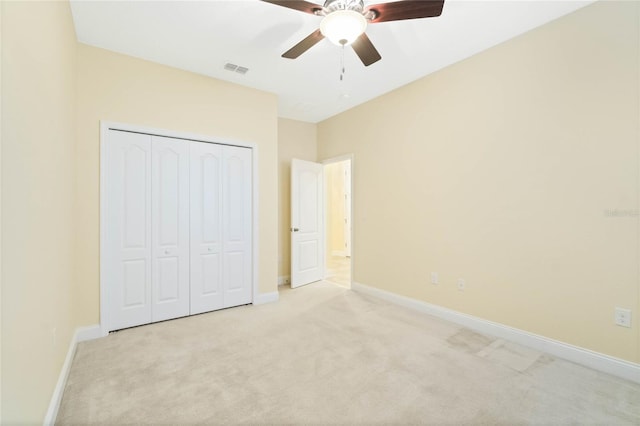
[(80, 335), (341, 253), (88, 333), (601, 362), (262, 298), (284, 279)]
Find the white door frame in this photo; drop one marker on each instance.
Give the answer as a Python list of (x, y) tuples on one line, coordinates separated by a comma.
[(105, 126), (347, 185), (338, 159)]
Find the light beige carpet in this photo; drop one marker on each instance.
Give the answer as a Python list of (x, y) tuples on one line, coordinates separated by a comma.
[(324, 354)]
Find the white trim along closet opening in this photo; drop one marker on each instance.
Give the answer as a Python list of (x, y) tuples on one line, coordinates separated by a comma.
[(176, 231)]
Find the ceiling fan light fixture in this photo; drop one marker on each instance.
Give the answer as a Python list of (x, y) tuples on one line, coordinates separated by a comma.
[(343, 27)]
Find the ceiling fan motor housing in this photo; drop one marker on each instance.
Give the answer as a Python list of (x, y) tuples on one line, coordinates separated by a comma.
[(334, 5)]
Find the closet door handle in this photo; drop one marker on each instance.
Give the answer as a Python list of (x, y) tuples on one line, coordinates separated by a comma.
[(166, 252), (294, 229)]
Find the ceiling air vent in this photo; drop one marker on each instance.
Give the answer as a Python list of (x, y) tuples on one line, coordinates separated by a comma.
[(235, 68)]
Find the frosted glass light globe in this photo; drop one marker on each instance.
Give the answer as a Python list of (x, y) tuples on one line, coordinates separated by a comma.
[(343, 27)]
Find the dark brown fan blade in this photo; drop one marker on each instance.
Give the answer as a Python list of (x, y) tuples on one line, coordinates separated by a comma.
[(303, 6), (304, 45), (408, 9), (365, 50)]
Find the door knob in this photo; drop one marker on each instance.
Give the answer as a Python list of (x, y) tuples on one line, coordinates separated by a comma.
[(294, 229), (166, 252)]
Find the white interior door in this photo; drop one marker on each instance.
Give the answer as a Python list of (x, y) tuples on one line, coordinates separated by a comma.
[(170, 232), (307, 222), (128, 231), (206, 227), (236, 218)]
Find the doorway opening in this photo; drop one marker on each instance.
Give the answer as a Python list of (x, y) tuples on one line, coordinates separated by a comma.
[(338, 197)]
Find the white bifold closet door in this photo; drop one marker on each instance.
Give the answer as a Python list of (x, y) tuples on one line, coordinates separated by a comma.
[(170, 228), (236, 225), (220, 227), (178, 228), (128, 226)]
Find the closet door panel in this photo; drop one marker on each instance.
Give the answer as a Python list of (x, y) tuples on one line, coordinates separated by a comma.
[(133, 285), (235, 263), (211, 276), (236, 184), (169, 279), (128, 233), (206, 227), (170, 235)]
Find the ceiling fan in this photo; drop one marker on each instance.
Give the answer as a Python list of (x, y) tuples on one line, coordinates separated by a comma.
[(344, 22)]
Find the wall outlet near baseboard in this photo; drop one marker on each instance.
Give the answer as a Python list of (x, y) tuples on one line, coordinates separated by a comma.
[(434, 278), (622, 317), (284, 279), (461, 284)]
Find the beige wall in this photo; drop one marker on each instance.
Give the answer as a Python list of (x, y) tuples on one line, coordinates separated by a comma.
[(120, 88), (500, 170), (38, 214), (1, 214), (296, 139)]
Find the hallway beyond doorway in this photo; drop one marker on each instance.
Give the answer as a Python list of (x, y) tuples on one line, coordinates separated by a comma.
[(339, 270)]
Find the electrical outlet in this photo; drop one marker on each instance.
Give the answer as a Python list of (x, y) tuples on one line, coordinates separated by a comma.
[(434, 278), (461, 284), (622, 317)]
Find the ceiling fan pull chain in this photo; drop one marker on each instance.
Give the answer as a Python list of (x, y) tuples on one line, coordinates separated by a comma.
[(342, 64)]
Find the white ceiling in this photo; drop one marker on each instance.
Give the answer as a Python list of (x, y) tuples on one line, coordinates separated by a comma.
[(202, 36)]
